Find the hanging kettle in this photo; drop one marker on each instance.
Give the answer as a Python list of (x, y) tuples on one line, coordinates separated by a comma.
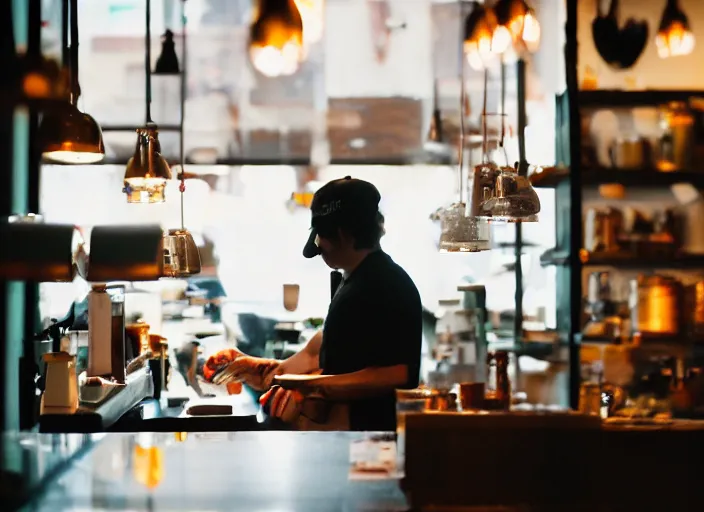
[(181, 256)]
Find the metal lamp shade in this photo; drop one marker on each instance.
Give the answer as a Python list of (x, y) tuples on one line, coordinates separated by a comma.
[(181, 256), (167, 63), (513, 199), (147, 171), (462, 232), (37, 252), (125, 253), (71, 137)]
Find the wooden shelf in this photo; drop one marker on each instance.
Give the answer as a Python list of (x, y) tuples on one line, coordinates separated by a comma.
[(687, 261), (641, 178), (619, 98), (684, 261), (634, 178)]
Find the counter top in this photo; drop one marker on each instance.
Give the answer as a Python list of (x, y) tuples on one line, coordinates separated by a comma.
[(249, 471)]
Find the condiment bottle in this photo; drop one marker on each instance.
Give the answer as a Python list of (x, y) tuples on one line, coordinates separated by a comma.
[(498, 395)]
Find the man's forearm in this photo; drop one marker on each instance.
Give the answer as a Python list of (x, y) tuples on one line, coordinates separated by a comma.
[(365, 383), (306, 360)]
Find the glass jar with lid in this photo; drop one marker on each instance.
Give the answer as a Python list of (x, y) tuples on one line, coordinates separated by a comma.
[(674, 147)]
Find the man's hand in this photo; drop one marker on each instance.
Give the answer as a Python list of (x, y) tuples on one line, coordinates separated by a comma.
[(282, 403), (256, 372)]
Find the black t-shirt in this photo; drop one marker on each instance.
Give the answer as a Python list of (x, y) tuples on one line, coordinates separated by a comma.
[(374, 320)]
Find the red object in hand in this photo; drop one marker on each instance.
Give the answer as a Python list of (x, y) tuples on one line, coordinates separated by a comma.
[(217, 361)]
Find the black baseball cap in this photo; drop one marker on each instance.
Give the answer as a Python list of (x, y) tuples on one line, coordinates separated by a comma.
[(343, 203)]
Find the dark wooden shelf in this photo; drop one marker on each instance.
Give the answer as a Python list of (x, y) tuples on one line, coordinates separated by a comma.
[(642, 178), (687, 261), (684, 261), (619, 98), (634, 178)]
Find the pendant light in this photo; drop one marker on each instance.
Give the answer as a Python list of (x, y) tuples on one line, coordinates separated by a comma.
[(461, 230), (276, 38), (521, 22), (68, 135), (498, 192), (181, 255), (674, 37), (436, 142), (147, 171), (167, 63), (313, 16), (484, 38)]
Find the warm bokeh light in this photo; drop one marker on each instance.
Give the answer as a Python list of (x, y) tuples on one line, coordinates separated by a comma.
[(273, 61), (531, 32), (66, 156), (675, 40), (484, 37), (313, 15), (276, 38)]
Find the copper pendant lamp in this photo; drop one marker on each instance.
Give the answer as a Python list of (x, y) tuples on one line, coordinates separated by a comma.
[(68, 135), (147, 171)]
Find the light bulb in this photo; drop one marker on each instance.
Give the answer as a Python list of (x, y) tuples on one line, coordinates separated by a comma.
[(272, 61), (500, 40), (531, 32), (276, 38), (474, 58), (313, 15), (674, 41)]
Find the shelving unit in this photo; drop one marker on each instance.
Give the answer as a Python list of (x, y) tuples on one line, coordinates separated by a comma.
[(569, 260)]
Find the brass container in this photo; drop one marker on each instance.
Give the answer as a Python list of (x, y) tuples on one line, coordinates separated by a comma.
[(656, 305)]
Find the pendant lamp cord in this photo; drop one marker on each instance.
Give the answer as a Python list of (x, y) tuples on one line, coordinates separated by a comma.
[(462, 102), (148, 63), (73, 52), (182, 153)]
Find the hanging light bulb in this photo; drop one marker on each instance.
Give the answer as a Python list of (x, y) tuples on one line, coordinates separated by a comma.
[(520, 21), (147, 171), (313, 16), (674, 37), (276, 38), (69, 136), (484, 37)]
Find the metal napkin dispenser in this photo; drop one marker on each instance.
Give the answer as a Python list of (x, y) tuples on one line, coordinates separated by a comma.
[(181, 256)]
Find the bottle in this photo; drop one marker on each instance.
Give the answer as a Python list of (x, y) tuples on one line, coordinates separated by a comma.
[(99, 332), (498, 395)]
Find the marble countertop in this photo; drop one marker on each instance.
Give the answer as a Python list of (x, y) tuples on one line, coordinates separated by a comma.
[(249, 471)]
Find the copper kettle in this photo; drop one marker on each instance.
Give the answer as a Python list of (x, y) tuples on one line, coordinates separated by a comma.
[(181, 256)]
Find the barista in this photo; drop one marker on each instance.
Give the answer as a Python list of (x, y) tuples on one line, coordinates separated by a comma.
[(371, 340)]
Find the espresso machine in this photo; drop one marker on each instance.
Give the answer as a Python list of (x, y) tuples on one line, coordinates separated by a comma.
[(460, 348)]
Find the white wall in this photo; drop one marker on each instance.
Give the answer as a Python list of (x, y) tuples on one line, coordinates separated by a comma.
[(259, 241), (351, 69), (650, 71)]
